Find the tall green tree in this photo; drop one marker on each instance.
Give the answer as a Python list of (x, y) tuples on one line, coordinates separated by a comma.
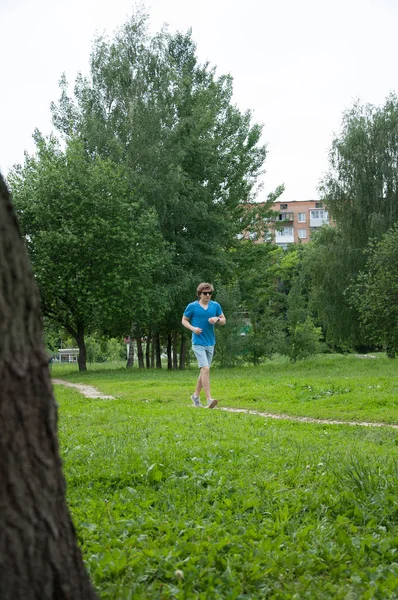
[(96, 252), (361, 187), (361, 193), (188, 152), (329, 265), (375, 294), (263, 274), (302, 336), (230, 348)]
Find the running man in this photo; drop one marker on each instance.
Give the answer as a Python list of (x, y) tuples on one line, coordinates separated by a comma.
[(200, 317)]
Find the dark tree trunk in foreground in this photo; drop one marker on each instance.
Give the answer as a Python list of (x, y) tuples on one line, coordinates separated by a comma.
[(39, 556)]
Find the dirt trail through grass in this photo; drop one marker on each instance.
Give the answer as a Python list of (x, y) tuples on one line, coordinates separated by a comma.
[(91, 392), (87, 390), (305, 419)]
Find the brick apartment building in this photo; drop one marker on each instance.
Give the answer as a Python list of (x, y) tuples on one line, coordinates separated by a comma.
[(296, 220), (299, 219)]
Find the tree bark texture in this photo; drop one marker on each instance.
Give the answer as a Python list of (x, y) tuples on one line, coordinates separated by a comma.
[(39, 555), (82, 359), (130, 360), (148, 350), (153, 341), (140, 354)]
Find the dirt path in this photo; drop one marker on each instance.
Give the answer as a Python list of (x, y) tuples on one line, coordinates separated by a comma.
[(87, 390), (91, 392), (305, 419)]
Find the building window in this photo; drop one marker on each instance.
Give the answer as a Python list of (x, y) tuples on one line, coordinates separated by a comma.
[(317, 214), (301, 218), (318, 205), (285, 232), (286, 216), (302, 233), (283, 206)]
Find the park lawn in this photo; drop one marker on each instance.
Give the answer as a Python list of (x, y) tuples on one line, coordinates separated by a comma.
[(170, 501), (346, 388)]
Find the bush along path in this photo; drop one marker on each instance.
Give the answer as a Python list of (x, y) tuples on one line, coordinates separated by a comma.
[(89, 391)]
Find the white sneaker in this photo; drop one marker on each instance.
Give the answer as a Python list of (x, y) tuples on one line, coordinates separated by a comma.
[(212, 403), (196, 400)]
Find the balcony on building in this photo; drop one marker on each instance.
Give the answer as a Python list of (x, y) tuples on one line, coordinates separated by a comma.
[(318, 217), (284, 236), (286, 216)]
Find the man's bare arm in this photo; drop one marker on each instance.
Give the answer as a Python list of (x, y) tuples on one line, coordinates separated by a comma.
[(187, 324), (221, 320)]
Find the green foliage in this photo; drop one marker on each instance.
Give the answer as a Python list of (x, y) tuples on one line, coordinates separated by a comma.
[(174, 502), (303, 340), (93, 349), (187, 152), (328, 264), (115, 349), (104, 350), (376, 292), (55, 337), (257, 270), (265, 339), (88, 241), (361, 194), (361, 188), (158, 176), (230, 342), (275, 297)]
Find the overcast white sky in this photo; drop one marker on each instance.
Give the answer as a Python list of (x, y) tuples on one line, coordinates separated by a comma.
[(298, 64)]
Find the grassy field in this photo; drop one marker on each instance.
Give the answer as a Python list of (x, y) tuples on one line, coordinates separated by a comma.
[(170, 501)]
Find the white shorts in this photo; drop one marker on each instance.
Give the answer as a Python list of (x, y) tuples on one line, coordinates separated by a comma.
[(204, 355)]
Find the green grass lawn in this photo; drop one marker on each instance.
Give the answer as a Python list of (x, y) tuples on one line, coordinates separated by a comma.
[(170, 501), (326, 387)]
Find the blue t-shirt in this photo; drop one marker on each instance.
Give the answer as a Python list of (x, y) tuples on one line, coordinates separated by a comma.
[(199, 317)]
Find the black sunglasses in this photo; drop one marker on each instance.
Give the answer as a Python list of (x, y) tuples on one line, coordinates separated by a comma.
[(207, 293)]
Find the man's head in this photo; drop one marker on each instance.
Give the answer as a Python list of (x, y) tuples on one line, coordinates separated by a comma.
[(204, 287)]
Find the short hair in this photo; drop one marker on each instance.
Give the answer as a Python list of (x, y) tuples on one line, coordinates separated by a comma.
[(203, 286)]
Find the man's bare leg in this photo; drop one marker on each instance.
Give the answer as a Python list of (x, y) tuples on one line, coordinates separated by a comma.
[(199, 385), (204, 382)]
